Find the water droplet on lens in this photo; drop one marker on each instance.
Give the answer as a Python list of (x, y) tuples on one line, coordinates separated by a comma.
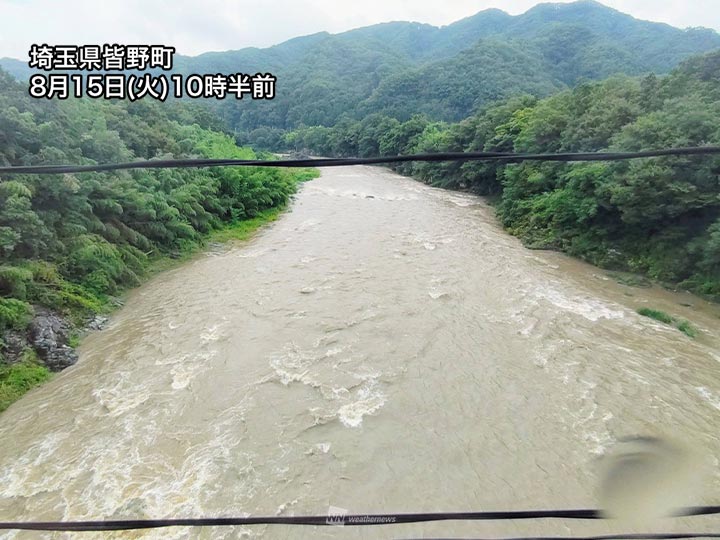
[(645, 478)]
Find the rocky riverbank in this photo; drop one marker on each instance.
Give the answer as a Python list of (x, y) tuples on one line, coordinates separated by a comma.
[(50, 336), (47, 342), (46, 345)]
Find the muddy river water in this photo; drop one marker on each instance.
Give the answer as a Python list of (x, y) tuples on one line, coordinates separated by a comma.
[(383, 347)]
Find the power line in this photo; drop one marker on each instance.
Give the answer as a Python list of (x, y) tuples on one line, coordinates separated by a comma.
[(327, 520), (503, 157)]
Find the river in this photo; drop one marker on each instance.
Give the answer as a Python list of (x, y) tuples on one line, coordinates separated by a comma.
[(383, 347)]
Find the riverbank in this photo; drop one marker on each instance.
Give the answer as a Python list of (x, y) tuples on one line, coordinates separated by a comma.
[(380, 328), (54, 334), (658, 217), (621, 266)]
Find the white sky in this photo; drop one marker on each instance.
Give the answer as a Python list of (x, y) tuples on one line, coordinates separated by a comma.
[(196, 26)]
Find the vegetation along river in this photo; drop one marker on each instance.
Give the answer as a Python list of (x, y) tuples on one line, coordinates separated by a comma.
[(383, 347)]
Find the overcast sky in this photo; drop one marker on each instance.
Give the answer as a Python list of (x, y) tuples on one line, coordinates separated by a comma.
[(196, 26)]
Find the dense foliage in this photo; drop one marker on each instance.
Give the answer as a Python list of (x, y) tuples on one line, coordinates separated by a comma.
[(20, 377), (69, 241), (403, 68), (660, 216)]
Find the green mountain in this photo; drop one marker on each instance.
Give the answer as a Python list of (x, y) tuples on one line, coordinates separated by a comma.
[(402, 68)]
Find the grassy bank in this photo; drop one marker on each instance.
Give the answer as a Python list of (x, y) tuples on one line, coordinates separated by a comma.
[(232, 231), (244, 230), (684, 326), (20, 377)]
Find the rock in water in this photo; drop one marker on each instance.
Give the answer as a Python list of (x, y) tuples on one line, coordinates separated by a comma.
[(97, 323), (49, 334)]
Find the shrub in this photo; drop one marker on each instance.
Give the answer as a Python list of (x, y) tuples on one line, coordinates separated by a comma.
[(656, 314), (14, 314), (16, 379), (686, 328)]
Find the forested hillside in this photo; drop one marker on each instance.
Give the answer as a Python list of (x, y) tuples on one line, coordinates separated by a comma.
[(404, 68), (67, 242), (659, 216)]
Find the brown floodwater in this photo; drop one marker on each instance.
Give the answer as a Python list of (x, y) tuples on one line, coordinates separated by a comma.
[(383, 347)]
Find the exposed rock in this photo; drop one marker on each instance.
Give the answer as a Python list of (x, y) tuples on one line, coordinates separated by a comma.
[(14, 344), (49, 334), (60, 357), (96, 323)]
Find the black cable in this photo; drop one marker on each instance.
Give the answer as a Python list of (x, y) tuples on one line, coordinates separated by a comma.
[(506, 157), (628, 536), (347, 520)]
